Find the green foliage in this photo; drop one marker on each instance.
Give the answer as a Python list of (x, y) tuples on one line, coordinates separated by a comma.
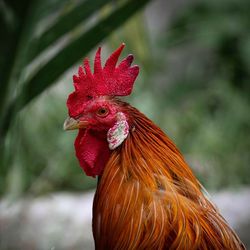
[(201, 100), (30, 80), (42, 40), (208, 100)]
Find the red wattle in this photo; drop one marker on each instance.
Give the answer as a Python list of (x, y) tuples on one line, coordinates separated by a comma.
[(92, 151)]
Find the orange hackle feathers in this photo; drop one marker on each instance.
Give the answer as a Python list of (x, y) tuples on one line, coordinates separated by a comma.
[(148, 198)]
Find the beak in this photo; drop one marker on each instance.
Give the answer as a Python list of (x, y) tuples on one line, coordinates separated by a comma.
[(71, 123)]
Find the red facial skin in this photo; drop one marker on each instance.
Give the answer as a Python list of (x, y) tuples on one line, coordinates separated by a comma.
[(91, 144), (92, 113)]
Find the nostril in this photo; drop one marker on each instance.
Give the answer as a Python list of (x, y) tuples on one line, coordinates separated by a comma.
[(77, 117)]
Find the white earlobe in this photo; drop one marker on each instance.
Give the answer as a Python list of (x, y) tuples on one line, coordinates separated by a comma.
[(119, 132)]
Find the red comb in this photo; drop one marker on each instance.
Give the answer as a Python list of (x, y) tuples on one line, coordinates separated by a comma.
[(111, 80)]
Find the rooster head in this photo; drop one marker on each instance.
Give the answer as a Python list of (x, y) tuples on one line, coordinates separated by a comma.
[(94, 110)]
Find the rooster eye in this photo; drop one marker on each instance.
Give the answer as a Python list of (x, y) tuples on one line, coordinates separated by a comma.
[(102, 112)]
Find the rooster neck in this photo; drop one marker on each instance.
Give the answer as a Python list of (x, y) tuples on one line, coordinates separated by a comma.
[(149, 159), (148, 152), (148, 198), (139, 182)]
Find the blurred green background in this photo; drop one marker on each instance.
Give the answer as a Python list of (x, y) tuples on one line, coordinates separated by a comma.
[(194, 83)]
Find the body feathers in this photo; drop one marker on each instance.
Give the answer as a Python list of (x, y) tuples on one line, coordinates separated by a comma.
[(148, 198)]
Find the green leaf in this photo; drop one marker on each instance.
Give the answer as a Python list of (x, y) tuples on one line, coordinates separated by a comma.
[(63, 25), (11, 28), (69, 55)]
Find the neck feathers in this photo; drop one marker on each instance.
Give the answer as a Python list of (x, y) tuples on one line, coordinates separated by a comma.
[(148, 154), (148, 198)]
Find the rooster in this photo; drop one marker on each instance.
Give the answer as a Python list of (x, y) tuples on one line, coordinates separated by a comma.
[(147, 197)]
